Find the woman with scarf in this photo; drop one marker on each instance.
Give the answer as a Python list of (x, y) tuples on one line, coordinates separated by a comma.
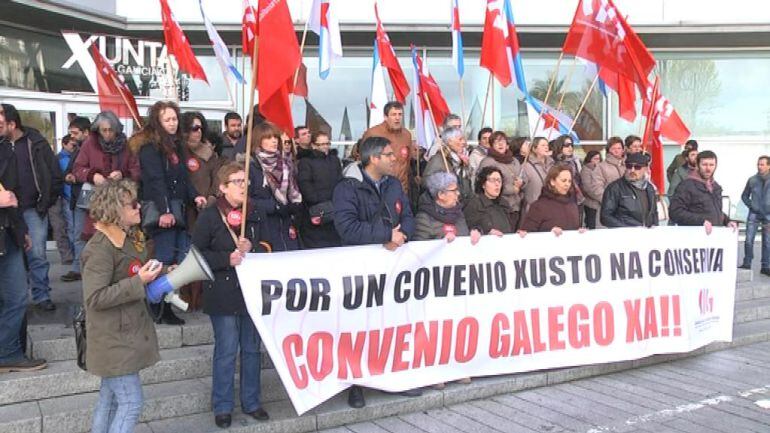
[(273, 188), (442, 217), (217, 238), (484, 211), (501, 157), (535, 168), (555, 210), (103, 155), (165, 185), (589, 177)]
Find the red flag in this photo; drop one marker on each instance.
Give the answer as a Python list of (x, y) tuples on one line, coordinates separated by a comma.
[(248, 27), (494, 56), (669, 125), (651, 139), (178, 45), (388, 60), (300, 89), (114, 95), (430, 92), (277, 61), (625, 90)]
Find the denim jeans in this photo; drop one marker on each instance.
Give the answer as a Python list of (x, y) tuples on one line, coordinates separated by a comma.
[(752, 226), (120, 404), (171, 245), (229, 333), (38, 264), (13, 299), (78, 222)]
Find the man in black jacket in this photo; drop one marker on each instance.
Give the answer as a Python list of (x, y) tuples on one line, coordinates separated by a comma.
[(40, 183), (13, 281), (631, 200), (698, 199)]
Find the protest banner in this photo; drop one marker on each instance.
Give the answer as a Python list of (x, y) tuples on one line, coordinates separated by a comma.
[(434, 312)]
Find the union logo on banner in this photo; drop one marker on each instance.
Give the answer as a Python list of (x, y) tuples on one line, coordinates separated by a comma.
[(705, 302)]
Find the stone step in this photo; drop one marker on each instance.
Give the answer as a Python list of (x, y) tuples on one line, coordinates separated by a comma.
[(744, 275), (175, 403), (752, 309), (759, 288)]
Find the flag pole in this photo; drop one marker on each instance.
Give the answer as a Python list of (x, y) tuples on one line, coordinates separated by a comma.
[(583, 104), (435, 128), (548, 92), (486, 99), (462, 106), (493, 103), (135, 115), (249, 131), (564, 86), (301, 56)]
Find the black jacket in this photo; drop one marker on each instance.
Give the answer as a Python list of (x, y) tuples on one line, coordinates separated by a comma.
[(622, 205), (223, 295), (10, 217), (484, 214), (162, 180), (45, 170), (317, 175), (692, 204), (280, 226), (364, 216)]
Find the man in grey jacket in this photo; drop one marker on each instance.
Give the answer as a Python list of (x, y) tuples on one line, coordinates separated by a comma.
[(756, 197)]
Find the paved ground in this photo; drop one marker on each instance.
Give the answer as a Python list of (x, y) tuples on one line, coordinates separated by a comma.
[(718, 392)]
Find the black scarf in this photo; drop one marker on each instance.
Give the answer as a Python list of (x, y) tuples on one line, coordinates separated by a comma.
[(445, 215), (115, 146)]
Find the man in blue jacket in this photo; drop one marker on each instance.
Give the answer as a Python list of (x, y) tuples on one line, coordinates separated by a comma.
[(756, 197), (370, 207)]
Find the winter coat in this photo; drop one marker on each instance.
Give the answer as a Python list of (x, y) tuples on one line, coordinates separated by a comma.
[(362, 215), (474, 161), (461, 171), (46, 174), (623, 207), (223, 296), (10, 217), (511, 172), (317, 175), (551, 210), (756, 195), (119, 331), (401, 142), (534, 173), (92, 159), (435, 222), (610, 170), (592, 187), (681, 173), (678, 161), (65, 159), (281, 221), (202, 166), (485, 214), (692, 204)]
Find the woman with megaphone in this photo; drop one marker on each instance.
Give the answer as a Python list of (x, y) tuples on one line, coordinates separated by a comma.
[(215, 237), (120, 334)]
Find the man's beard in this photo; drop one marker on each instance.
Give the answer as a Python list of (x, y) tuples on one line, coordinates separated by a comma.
[(235, 135), (398, 129)]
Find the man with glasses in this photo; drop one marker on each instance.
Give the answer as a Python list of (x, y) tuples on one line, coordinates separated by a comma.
[(370, 207), (631, 200)]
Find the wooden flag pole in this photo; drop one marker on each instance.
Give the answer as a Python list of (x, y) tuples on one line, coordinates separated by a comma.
[(583, 104), (135, 115), (435, 128), (252, 86), (462, 106), (486, 99), (548, 92), (301, 56), (493, 104), (566, 85)]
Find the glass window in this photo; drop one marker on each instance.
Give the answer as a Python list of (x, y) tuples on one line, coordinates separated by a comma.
[(43, 121)]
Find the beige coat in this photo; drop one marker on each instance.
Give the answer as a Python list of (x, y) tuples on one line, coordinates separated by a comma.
[(534, 173), (120, 333), (610, 170), (508, 196), (592, 186)]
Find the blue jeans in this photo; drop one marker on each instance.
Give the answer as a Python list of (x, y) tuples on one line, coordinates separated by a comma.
[(13, 299), (229, 333), (120, 404), (752, 226), (171, 245), (38, 263), (78, 222)]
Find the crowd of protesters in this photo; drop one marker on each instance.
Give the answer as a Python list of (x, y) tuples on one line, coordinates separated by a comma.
[(180, 185)]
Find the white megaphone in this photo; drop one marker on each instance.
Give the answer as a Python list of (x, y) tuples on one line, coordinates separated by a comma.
[(192, 268)]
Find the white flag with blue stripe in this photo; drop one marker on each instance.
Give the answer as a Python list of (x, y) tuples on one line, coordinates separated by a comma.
[(220, 50), (323, 22), (457, 40)]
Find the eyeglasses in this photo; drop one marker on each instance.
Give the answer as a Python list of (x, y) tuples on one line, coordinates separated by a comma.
[(105, 130), (133, 204), (287, 142), (567, 144), (237, 182), (635, 166), (494, 180), (388, 154), (323, 143), (454, 190), (196, 128)]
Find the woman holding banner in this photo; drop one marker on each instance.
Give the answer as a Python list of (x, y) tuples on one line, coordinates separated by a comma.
[(442, 217), (216, 239), (501, 156), (556, 210), (484, 211)]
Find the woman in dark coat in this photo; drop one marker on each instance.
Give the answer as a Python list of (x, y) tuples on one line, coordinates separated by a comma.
[(484, 211), (556, 209), (273, 188), (317, 174), (166, 183), (442, 217), (215, 236)]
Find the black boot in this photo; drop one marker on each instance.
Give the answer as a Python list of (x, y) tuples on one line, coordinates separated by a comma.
[(168, 317), (356, 397)]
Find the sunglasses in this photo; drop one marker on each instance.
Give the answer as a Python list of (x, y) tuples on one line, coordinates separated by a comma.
[(287, 142), (196, 128), (635, 166)]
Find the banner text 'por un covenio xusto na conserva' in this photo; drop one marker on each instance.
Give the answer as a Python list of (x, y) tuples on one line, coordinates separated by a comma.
[(434, 312)]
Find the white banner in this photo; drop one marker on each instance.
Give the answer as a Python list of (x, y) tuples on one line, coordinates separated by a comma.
[(435, 312)]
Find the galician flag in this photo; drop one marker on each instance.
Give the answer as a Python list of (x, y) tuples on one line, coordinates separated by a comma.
[(323, 21), (457, 40), (220, 50), (379, 96)]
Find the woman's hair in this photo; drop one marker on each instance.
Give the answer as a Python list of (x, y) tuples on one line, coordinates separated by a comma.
[(481, 177), (496, 135), (224, 172), (516, 145), (613, 141), (438, 182), (262, 131), (154, 129), (553, 173), (558, 144), (111, 119), (314, 137), (590, 155), (186, 122), (108, 199)]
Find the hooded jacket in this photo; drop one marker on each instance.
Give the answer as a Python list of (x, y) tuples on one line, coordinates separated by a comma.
[(363, 215), (693, 204)]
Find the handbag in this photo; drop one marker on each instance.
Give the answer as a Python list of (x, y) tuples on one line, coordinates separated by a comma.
[(151, 214), (79, 325), (321, 213), (84, 198)]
